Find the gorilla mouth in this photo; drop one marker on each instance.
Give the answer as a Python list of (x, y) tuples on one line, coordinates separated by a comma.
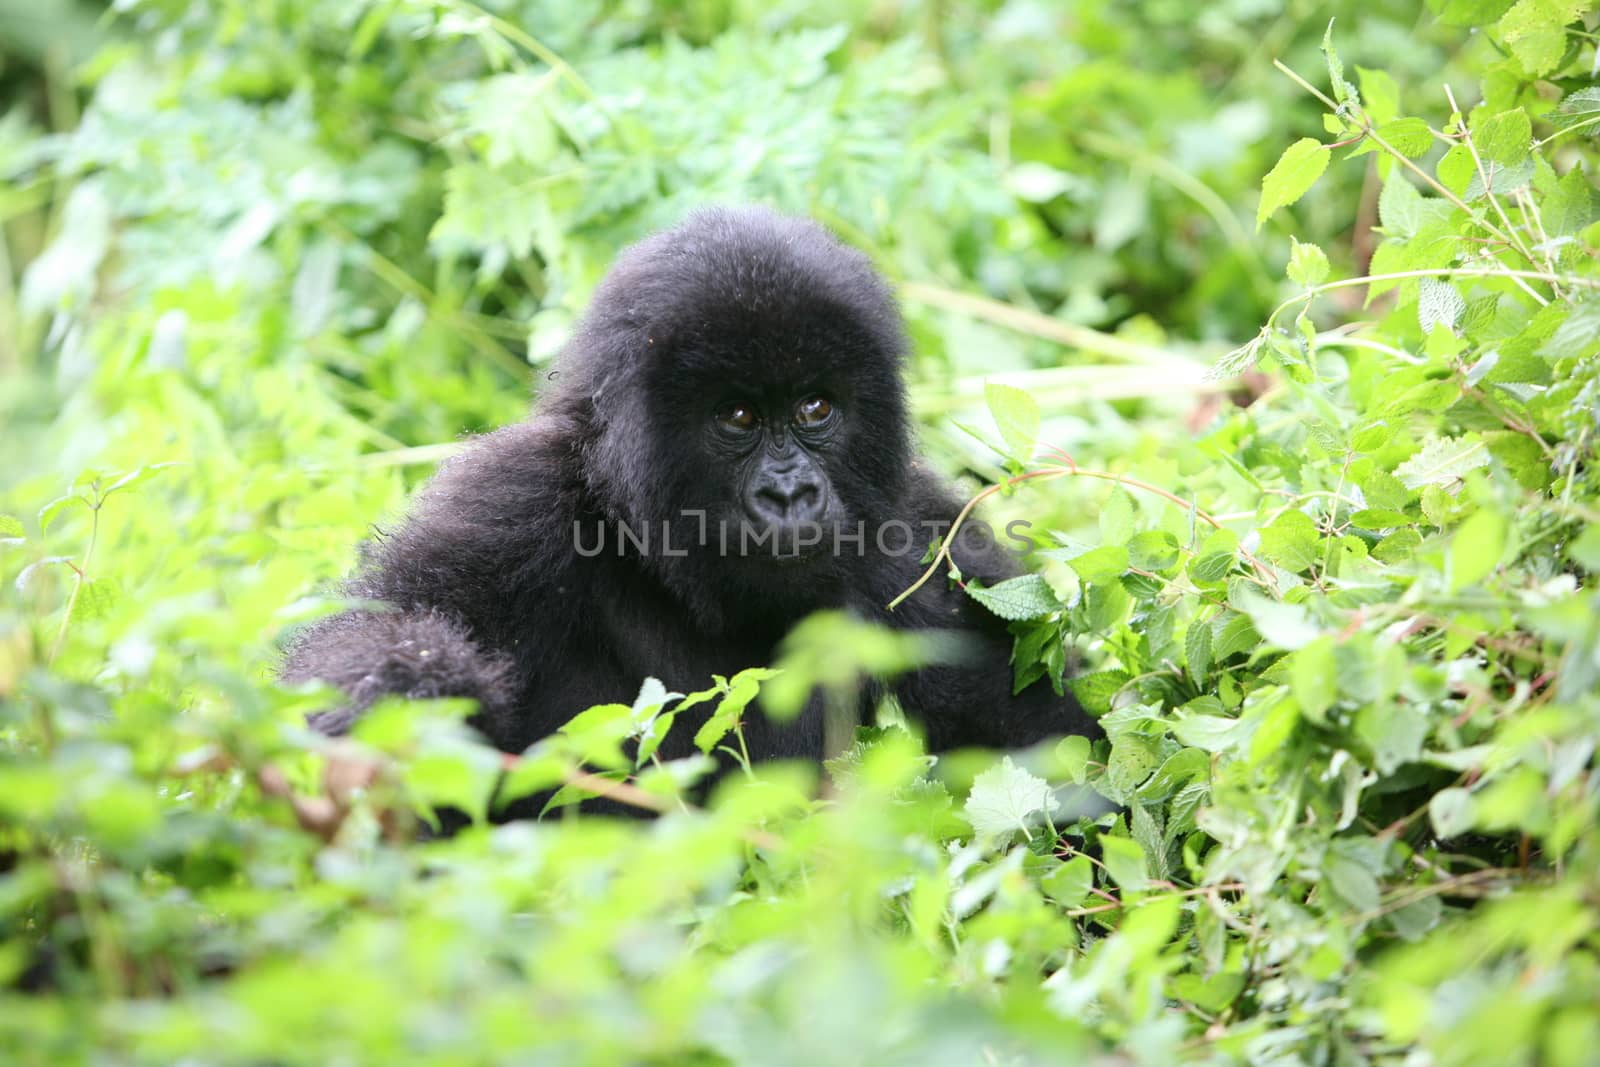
[(786, 544)]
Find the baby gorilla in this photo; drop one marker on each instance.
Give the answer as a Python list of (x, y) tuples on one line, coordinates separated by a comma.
[(724, 449)]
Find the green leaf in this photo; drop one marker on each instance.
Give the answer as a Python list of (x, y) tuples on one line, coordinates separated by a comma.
[(1116, 517), (1575, 107), (1212, 567), (1585, 548), (741, 690), (1378, 519), (1153, 550), (1476, 547), (1100, 564), (1308, 264), (1292, 542), (1457, 169), (1535, 31), (1380, 96), (1096, 689), (1016, 413), (1577, 335), (1438, 304), (1443, 461), (1125, 862), (1197, 651), (1005, 798), (1212, 733), (1296, 171), (1352, 881), (1342, 89), (1503, 139), (11, 530), (1072, 753), (1232, 633), (1452, 811), (1027, 596), (1410, 137), (1070, 882), (1284, 625), (1314, 678)]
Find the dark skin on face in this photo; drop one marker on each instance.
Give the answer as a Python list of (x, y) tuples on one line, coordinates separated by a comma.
[(740, 371), (784, 486)]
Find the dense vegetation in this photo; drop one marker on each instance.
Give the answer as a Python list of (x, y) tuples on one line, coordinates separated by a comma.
[(1284, 336)]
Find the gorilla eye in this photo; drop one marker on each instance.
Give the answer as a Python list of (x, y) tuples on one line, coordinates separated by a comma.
[(814, 411), (740, 418)]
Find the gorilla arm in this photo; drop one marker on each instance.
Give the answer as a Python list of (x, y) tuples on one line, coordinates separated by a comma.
[(419, 653), (451, 581)]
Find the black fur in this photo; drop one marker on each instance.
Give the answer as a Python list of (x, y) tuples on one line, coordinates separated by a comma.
[(493, 601)]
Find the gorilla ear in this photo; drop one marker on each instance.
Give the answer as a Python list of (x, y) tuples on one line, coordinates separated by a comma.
[(623, 453)]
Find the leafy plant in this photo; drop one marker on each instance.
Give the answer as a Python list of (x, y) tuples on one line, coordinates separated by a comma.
[(1335, 605)]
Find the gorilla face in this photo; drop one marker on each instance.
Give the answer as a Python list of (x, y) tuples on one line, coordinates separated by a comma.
[(775, 446)]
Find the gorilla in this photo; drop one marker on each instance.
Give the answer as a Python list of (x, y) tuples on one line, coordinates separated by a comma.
[(723, 450)]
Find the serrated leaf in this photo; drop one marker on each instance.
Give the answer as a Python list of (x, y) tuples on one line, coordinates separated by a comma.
[(1409, 136), (1443, 461), (1231, 634), (1575, 107), (1096, 690), (1016, 414), (1438, 304), (48, 513), (1197, 651), (1296, 171), (1535, 31), (1399, 206), (1005, 798), (1027, 596), (1308, 264), (1341, 88), (1504, 138), (1212, 567), (1291, 541), (1237, 361), (97, 597), (1577, 334), (741, 690)]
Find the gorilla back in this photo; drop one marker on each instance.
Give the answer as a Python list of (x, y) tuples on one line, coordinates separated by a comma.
[(722, 452)]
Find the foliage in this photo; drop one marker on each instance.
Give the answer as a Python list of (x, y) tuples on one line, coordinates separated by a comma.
[(1335, 605)]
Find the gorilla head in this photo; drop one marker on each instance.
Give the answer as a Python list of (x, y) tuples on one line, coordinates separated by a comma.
[(742, 373)]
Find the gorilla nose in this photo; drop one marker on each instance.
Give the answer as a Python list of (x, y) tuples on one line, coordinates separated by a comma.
[(788, 496)]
